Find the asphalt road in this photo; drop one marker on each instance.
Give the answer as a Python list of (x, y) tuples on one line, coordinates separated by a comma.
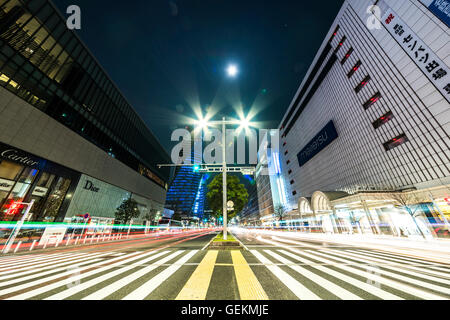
[(180, 267)]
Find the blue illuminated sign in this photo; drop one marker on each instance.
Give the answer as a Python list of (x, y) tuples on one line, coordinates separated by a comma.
[(327, 135), (441, 8)]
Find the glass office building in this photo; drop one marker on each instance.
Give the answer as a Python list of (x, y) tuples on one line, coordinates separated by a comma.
[(59, 105)]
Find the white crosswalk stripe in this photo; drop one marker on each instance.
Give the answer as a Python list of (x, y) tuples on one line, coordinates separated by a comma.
[(391, 274), (373, 290), (19, 271), (21, 264), (296, 287), (403, 269), (103, 293), (374, 277), (38, 272), (414, 266), (406, 260), (328, 285), (308, 274), (148, 287), (71, 279), (71, 291)]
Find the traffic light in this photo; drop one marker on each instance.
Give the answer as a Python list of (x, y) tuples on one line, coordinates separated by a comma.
[(196, 168), (14, 208)]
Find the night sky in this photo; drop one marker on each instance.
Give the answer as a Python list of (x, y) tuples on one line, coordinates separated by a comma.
[(169, 57)]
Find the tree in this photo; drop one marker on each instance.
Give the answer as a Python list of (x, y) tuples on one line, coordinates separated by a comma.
[(280, 212), (236, 192), (408, 202), (151, 214), (126, 211)]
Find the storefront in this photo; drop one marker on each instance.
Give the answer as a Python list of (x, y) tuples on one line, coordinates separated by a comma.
[(100, 200), (25, 177)]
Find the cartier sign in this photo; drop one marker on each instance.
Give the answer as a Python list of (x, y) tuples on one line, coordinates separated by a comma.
[(18, 156)]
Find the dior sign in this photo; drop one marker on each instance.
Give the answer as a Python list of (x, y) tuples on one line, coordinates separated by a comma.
[(89, 185)]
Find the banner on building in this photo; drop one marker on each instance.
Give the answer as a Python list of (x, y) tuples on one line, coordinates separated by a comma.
[(435, 70)]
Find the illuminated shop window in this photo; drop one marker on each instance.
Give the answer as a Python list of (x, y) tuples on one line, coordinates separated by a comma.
[(354, 69), (395, 142), (362, 84), (347, 55), (372, 100), (382, 120)]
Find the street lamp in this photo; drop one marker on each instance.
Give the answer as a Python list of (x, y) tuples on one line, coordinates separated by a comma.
[(232, 70), (245, 123)]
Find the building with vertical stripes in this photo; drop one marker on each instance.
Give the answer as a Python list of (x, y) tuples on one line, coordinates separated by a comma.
[(69, 140), (366, 137)]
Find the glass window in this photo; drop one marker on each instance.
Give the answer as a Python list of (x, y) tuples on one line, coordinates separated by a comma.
[(28, 175), (9, 170), (55, 199), (395, 142), (382, 120)]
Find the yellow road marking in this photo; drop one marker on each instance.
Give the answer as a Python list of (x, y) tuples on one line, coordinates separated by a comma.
[(248, 285), (198, 284)]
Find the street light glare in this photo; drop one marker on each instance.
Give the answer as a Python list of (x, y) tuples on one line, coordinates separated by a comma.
[(245, 123), (232, 70), (202, 123)]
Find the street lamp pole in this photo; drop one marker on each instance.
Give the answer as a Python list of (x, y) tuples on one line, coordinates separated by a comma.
[(224, 178)]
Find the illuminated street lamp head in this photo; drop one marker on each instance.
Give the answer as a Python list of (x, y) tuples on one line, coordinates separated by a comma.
[(232, 70), (202, 123), (245, 123)]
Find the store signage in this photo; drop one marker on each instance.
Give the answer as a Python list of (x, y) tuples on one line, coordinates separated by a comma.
[(40, 191), (90, 186), (327, 135), (19, 157), (441, 8), (436, 70), (6, 185), (147, 172)]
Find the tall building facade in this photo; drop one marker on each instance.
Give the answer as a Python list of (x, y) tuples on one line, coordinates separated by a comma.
[(68, 137), (370, 122)]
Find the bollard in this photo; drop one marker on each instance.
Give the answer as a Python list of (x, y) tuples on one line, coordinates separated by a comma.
[(18, 246), (84, 240), (68, 240), (76, 241), (45, 244), (98, 238), (32, 245), (92, 239)]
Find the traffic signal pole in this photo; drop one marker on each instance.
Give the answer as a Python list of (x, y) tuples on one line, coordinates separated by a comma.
[(224, 180)]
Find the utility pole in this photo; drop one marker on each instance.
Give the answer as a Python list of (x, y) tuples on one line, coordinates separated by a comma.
[(224, 178)]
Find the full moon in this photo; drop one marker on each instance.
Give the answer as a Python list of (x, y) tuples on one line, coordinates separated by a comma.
[(232, 70)]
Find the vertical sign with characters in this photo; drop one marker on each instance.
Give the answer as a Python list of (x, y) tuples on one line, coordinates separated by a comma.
[(435, 70)]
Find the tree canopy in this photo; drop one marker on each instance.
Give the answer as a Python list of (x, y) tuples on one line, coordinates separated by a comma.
[(126, 211), (236, 192)]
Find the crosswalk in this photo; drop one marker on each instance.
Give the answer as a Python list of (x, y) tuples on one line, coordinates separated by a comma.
[(258, 274)]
